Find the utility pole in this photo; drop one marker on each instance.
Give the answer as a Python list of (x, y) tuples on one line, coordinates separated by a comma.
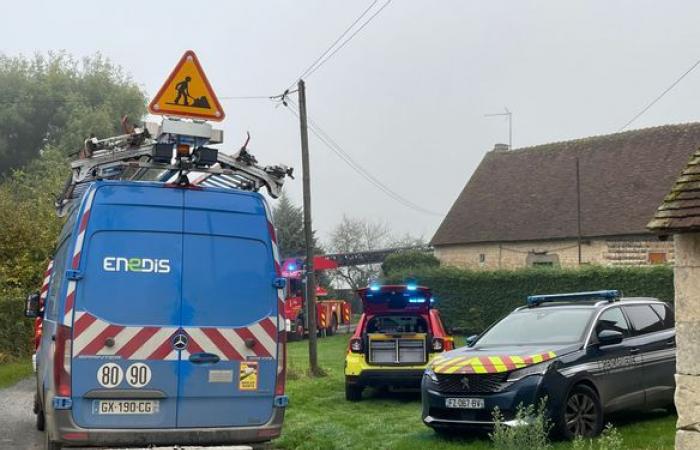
[(509, 116), (308, 234), (578, 210)]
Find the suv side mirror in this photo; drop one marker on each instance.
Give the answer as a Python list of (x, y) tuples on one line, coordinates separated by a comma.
[(32, 306), (609, 337), (471, 340)]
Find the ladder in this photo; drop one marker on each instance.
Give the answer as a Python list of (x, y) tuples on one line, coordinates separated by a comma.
[(173, 151)]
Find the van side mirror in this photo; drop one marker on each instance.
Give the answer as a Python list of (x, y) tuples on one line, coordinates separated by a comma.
[(471, 340), (32, 306), (609, 337)]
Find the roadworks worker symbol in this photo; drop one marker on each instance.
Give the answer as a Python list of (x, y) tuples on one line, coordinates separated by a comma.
[(187, 93), (487, 364), (248, 379)]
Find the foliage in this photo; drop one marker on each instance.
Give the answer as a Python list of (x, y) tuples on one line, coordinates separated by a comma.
[(472, 300), (610, 439), (12, 372), (407, 261), (354, 235), (58, 101), (532, 432), (289, 224)]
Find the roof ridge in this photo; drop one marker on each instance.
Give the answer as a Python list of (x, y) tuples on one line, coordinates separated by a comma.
[(599, 137)]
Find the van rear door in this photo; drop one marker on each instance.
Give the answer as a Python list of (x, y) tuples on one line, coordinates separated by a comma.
[(127, 310), (229, 310)]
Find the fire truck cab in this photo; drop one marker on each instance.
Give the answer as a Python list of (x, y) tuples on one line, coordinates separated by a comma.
[(398, 334)]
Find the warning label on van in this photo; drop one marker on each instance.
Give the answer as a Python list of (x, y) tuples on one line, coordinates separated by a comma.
[(248, 379)]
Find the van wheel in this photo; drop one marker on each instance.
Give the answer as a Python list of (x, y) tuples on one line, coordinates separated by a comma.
[(581, 414), (39, 412), (353, 392), (333, 329)]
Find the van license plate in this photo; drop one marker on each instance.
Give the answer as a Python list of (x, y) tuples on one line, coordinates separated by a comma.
[(465, 403), (125, 406)]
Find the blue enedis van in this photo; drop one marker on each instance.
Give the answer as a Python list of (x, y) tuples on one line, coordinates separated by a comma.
[(163, 323)]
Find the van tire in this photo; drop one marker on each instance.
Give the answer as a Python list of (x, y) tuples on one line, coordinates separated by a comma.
[(353, 392), (40, 421)]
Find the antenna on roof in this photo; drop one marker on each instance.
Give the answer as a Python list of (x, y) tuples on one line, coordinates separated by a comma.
[(509, 116)]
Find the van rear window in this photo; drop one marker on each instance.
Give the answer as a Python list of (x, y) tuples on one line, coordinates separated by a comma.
[(397, 324)]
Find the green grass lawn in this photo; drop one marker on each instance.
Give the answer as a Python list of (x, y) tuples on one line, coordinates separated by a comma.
[(319, 417), (12, 372)]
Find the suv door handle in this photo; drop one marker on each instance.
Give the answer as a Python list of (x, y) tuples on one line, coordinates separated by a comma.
[(671, 342), (203, 358), (634, 351)]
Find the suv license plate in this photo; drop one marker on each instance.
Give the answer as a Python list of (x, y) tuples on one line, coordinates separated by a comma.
[(122, 407), (465, 403)]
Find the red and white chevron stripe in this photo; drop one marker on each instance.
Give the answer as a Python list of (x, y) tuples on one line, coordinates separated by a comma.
[(90, 335), (75, 262), (45, 283)]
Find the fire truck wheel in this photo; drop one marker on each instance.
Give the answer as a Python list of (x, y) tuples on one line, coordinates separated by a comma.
[(353, 392), (330, 331)]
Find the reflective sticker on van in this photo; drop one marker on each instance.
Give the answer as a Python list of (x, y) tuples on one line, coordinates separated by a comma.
[(145, 265), (248, 380), (110, 375)]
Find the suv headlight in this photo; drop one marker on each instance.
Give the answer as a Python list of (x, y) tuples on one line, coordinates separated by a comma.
[(535, 369), (430, 374)]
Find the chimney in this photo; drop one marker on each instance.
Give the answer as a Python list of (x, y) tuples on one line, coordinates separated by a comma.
[(501, 148)]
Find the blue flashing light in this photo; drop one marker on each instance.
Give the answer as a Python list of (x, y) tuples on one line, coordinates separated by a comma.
[(411, 286), (291, 267), (609, 295), (374, 287), (432, 300), (416, 300)]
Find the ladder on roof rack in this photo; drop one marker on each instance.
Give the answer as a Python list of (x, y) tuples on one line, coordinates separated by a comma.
[(146, 153)]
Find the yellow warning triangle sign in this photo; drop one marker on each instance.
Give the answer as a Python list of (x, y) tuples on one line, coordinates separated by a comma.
[(187, 93)]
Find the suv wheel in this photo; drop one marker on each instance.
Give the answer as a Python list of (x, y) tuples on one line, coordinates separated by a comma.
[(582, 414), (353, 392)]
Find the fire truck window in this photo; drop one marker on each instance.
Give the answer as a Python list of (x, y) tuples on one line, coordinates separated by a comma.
[(397, 324)]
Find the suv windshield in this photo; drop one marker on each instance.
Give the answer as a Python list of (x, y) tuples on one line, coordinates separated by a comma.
[(539, 326)]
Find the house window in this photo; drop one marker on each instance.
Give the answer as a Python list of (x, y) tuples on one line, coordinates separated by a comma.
[(540, 259), (657, 258), (482, 258)]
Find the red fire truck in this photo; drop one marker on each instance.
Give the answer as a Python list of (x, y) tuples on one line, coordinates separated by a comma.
[(330, 313)]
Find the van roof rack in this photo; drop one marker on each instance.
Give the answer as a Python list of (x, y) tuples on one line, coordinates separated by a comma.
[(609, 295), (172, 151)]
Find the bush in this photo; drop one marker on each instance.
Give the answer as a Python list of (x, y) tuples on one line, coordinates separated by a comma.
[(409, 261), (532, 433), (471, 300), (609, 440), (16, 331)]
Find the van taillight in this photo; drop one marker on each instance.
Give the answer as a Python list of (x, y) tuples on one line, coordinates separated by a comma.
[(356, 345), (281, 363), (438, 344), (62, 361)]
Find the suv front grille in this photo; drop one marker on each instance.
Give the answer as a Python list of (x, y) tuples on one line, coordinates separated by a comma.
[(397, 351), (472, 383)]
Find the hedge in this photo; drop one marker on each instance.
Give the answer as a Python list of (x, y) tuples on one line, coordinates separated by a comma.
[(469, 301)]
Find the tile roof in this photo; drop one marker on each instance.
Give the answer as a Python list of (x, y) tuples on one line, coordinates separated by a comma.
[(530, 193), (680, 210)]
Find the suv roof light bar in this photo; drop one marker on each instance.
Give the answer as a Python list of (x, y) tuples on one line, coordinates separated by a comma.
[(609, 295)]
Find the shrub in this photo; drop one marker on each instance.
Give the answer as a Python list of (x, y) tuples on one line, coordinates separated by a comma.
[(471, 300), (532, 433), (609, 440), (409, 261)]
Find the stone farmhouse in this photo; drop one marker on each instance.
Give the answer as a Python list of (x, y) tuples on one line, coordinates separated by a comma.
[(585, 201)]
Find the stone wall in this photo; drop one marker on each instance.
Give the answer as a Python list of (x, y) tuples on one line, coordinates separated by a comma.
[(687, 304), (622, 251)]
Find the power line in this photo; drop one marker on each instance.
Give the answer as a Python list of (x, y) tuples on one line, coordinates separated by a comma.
[(320, 61), (666, 91), (345, 157)]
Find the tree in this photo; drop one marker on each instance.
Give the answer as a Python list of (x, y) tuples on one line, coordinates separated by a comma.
[(353, 235), (288, 219), (57, 101)]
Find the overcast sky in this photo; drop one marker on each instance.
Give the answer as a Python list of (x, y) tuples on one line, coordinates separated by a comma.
[(407, 97)]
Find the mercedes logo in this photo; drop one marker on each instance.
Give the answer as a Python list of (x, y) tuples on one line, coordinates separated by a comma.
[(465, 383), (180, 341)]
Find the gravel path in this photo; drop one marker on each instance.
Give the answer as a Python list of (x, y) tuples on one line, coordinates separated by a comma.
[(17, 430)]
